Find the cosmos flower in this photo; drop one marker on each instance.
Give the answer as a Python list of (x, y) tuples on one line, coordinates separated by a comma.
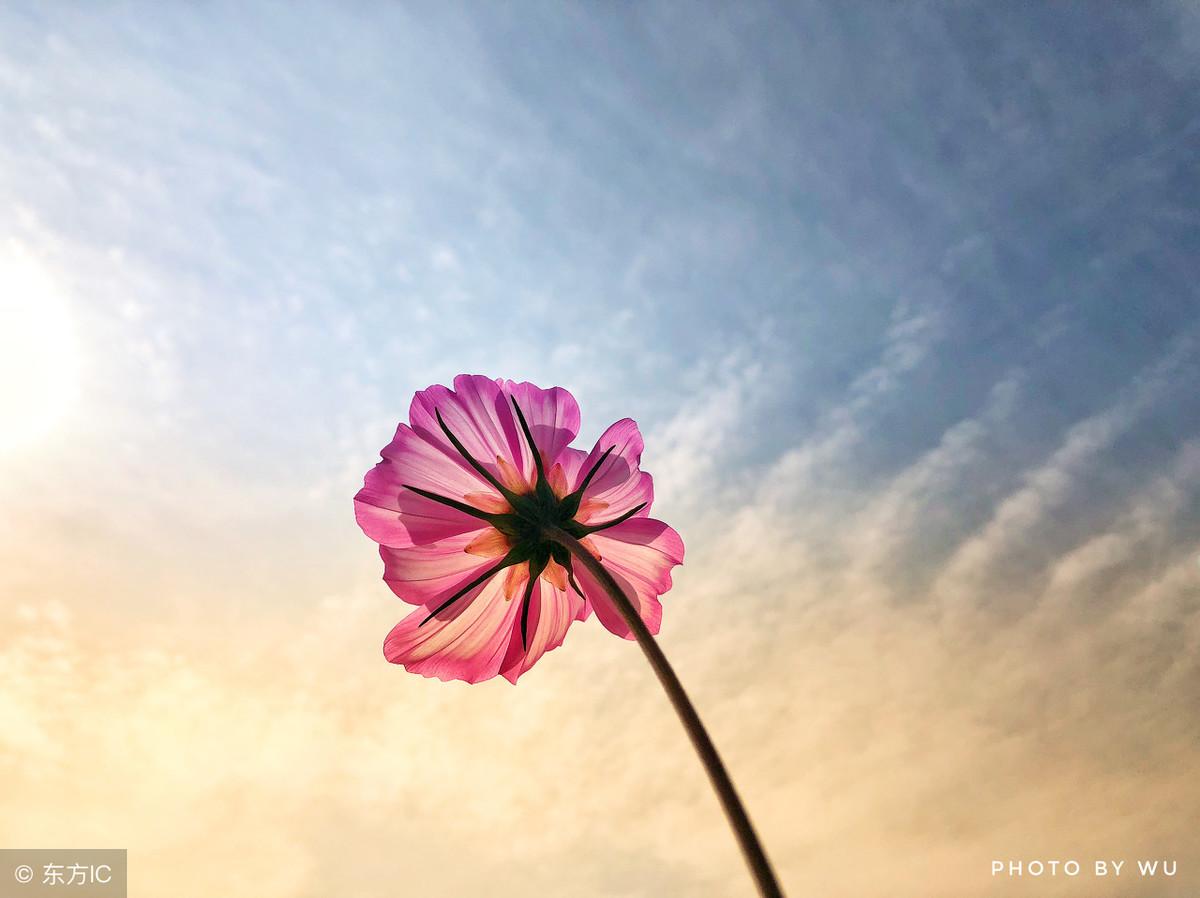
[(461, 504), (482, 508)]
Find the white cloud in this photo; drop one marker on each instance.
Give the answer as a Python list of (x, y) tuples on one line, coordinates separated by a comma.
[(1047, 488)]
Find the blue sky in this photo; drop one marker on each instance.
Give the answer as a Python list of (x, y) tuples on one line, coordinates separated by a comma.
[(367, 200), (904, 296)]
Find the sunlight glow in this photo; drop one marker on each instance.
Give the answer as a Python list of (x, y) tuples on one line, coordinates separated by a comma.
[(37, 352)]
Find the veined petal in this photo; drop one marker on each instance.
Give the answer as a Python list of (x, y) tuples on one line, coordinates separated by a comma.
[(480, 416), (552, 416), (639, 553), (644, 548), (467, 641), (648, 606), (427, 574), (551, 612), (393, 515), (419, 463), (618, 485)]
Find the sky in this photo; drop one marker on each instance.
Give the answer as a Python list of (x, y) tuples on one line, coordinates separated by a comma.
[(903, 296)]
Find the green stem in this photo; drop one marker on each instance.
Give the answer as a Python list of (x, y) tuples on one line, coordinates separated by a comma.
[(752, 849)]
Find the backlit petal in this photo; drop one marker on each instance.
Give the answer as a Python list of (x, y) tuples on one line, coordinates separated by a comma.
[(552, 416), (648, 606), (639, 553), (551, 612), (479, 415), (618, 484), (466, 642), (429, 573), (393, 515)]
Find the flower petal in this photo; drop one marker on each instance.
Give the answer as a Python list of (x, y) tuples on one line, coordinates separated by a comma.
[(393, 515), (480, 416), (639, 553), (430, 573), (466, 642), (478, 411), (618, 485), (551, 611), (552, 416), (649, 608)]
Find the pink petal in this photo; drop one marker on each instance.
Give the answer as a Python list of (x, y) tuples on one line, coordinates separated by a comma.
[(639, 553), (648, 607), (552, 416), (551, 612), (421, 463), (618, 485), (393, 515), (430, 573), (479, 415), (466, 642)]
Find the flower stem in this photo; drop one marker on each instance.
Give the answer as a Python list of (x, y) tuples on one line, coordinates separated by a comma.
[(752, 849)]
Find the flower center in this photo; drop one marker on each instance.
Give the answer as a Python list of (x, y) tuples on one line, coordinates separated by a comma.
[(531, 514)]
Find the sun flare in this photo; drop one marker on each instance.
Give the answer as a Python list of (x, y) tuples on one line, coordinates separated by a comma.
[(37, 352)]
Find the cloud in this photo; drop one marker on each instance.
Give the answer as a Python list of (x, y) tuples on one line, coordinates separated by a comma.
[(1022, 517)]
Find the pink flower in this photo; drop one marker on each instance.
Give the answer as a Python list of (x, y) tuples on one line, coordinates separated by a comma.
[(458, 504)]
